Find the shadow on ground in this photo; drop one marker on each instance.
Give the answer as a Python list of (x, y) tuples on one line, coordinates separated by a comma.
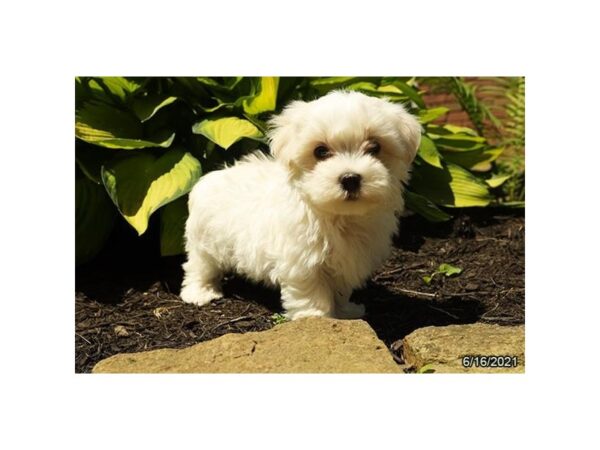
[(127, 299), (394, 316)]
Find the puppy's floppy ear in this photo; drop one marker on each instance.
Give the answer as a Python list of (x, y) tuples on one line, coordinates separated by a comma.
[(410, 132), (282, 129)]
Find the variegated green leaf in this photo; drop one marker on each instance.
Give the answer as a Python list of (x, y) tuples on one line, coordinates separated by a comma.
[(475, 160), (450, 186), (497, 181), (454, 129), (424, 207), (389, 92), (119, 87), (458, 142), (429, 153), (409, 92), (145, 107), (266, 98), (429, 115), (141, 183), (227, 131), (109, 127)]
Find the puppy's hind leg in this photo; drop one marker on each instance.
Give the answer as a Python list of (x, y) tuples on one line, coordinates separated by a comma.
[(201, 279), (344, 308)]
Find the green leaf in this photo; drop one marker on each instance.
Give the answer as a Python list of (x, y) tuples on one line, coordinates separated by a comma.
[(190, 89), (468, 190), (429, 115), (82, 91), (211, 109), (94, 219), (266, 99), (427, 368), (458, 142), (409, 92), (228, 85), (451, 186), (366, 86), (145, 107), (497, 181), (443, 269), (109, 127), (141, 183), (448, 270), (279, 319), (512, 204), (390, 92), (119, 87), (231, 90), (332, 81), (453, 138), (231, 82), (424, 207), (227, 131), (326, 84), (454, 129), (429, 153), (129, 144), (97, 121), (476, 160), (172, 227), (208, 82)]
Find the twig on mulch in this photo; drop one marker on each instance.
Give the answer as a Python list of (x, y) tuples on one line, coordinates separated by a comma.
[(487, 312), (442, 295), (439, 295), (237, 319), (444, 311), (463, 294), (243, 316), (387, 273), (416, 293), (77, 334)]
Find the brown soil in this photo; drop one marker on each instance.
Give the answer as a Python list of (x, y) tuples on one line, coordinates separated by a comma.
[(126, 300)]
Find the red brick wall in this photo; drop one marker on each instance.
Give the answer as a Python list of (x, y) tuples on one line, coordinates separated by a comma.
[(496, 101)]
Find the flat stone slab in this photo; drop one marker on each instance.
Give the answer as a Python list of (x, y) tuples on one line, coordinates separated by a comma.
[(441, 349), (312, 345)]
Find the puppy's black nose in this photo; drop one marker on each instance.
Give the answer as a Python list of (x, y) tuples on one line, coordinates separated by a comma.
[(350, 182)]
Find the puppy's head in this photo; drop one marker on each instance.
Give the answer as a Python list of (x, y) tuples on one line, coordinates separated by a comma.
[(348, 152)]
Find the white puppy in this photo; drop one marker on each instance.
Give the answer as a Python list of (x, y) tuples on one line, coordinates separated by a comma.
[(317, 217)]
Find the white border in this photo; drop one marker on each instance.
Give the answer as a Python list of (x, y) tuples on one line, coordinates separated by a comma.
[(45, 44)]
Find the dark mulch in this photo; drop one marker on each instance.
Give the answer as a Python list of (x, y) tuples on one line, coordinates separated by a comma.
[(126, 301)]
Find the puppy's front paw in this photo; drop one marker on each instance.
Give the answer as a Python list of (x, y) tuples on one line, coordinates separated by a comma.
[(350, 311), (198, 295), (310, 312)]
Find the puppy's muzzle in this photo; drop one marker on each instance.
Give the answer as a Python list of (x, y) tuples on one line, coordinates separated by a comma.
[(350, 182)]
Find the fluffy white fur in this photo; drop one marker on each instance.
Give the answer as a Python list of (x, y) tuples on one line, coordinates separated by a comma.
[(286, 220)]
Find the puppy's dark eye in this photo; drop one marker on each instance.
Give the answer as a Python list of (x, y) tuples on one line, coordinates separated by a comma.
[(373, 148), (322, 152)]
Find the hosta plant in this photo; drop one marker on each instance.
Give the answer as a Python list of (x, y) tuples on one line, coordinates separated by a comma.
[(142, 143)]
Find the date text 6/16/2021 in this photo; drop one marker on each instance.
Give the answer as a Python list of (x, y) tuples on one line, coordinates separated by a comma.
[(490, 361)]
